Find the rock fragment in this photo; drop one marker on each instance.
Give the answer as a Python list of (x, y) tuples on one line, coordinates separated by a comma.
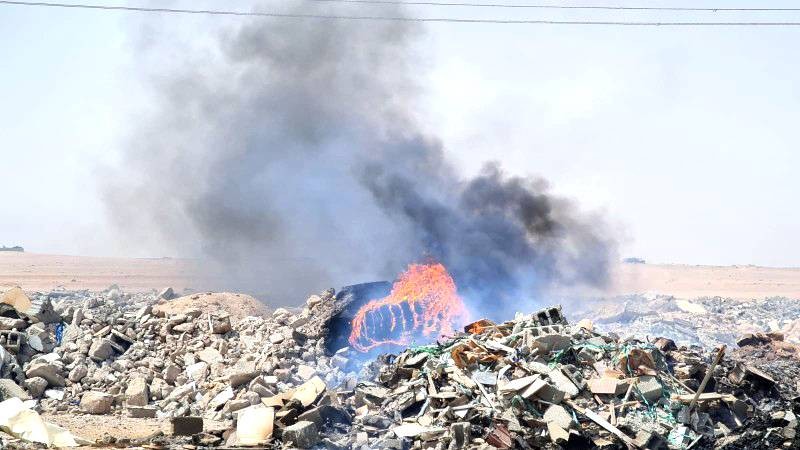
[(96, 402)]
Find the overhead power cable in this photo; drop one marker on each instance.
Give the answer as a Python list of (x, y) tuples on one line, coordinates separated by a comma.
[(391, 18), (578, 7)]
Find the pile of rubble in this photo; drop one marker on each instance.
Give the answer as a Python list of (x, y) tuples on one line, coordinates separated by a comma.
[(705, 321), (534, 382), (537, 382)]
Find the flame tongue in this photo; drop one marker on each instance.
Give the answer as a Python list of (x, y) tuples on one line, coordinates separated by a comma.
[(423, 302)]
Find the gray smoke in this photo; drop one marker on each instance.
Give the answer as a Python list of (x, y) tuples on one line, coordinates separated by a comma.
[(289, 161)]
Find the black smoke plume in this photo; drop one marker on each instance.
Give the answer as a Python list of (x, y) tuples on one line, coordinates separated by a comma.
[(288, 159)]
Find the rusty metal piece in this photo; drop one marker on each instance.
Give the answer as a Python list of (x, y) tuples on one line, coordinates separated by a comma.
[(499, 437)]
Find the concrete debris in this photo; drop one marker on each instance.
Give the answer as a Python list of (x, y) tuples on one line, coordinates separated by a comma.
[(303, 434), (289, 380), (10, 389), (18, 420), (255, 425), (137, 393), (96, 402), (186, 426)]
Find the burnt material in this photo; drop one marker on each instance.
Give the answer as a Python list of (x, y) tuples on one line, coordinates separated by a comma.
[(347, 303)]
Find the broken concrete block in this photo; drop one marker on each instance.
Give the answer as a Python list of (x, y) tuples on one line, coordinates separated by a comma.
[(242, 372), (10, 323), (518, 384), (16, 298), (220, 324), (607, 386), (550, 393), (312, 415), (276, 338), (305, 372), (141, 412), (171, 373), (94, 402), (35, 386), (49, 371), (551, 343), (198, 371), (10, 389), (167, 293), (78, 373), (533, 388), (563, 383), (210, 355), (137, 393), (101, 350), (254, 425), (303, 434), (559, 415), (650, 388), (307, 392), (557, 434), (186, 426)]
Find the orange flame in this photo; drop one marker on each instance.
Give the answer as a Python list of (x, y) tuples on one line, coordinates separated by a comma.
[(423, 302)]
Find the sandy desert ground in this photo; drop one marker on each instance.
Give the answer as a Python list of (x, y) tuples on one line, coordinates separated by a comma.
[(39, 272)]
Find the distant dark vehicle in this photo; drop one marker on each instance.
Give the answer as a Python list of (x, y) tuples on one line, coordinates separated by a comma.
[(12, 249), (633, 261)]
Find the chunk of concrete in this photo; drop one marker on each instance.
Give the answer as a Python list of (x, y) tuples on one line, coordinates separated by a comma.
[(186, 426), (650, 388), (47, 370), (308, 392), (35, 386), (254, 425), (10, 389), (142, 412), (550, 393), (518, 384), (10, 323), (558, 415), (303, 434), (94, 402), (607, 386), (78, 373), (210, 355), (137, 393), (101, 350), (557, 434), (242, 372), (563, 383)]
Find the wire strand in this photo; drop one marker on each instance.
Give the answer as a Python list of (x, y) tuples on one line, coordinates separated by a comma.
[(578, 7), (392, 18)]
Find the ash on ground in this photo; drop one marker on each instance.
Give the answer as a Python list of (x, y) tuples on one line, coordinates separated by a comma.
[(222, 377)]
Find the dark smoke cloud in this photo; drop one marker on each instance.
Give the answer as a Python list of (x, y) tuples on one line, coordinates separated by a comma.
[(289, 161)]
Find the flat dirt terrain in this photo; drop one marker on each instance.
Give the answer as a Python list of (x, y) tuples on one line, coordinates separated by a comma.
[(37, 272), (685, 281)]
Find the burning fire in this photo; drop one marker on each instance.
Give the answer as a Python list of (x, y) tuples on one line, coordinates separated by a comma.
[(423, 302)]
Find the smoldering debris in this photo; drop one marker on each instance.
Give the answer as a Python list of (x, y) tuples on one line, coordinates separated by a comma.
[(293, 158)]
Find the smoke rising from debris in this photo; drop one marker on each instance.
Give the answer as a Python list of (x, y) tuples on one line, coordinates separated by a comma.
[(290, 162)]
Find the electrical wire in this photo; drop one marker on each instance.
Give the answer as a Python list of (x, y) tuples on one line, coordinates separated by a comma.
[(394, 18), (573, 7)]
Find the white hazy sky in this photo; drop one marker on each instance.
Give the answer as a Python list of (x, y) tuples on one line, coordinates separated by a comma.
[(685, 137)]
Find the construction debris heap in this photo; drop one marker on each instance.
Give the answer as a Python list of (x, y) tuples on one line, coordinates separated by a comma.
[(229, 380)]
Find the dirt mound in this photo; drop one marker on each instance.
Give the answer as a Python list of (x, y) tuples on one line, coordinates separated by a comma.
[(238, 306)]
